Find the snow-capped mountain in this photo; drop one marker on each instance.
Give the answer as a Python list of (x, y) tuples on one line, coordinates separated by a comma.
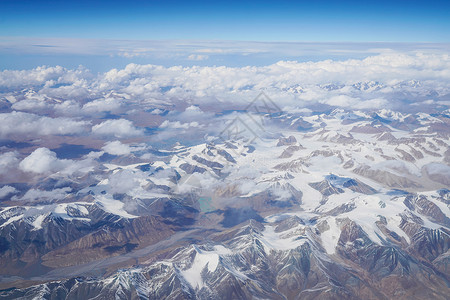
[(353, 206)]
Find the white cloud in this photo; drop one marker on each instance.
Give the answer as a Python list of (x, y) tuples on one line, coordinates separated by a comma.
[(7, 190), (81, 166), (41, 75), (198, 57), (193, 113), (281, 194), (68, 108), (103, 105), (398, 166), (297, 110), (372, 103), (137, 52), (117, 148), (178, 125), (124, 181), (157, 111), (30, 105), (121, 128), (191, 182), (216, 50), (42, 160), (289, 80), (8, 162), (53, 195), (45, 161), (25, 123), (247, 186), (437, 168), (341, 101)]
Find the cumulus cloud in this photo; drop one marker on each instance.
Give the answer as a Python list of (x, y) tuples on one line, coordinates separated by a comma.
[(31, 105), (281, 194), (121, 128), (42, 160), (124, 181), (157, 111), (117, 148), (193, 182), (25, 123), (6, 191), (40, 76), (45, 161), (103, 105), (83, 166), (53, 195), (247, 186), (8, 162), (68, 108), (192, 113)]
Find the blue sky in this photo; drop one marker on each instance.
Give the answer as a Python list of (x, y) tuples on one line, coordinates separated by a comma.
[(411, 21), (101, 34)]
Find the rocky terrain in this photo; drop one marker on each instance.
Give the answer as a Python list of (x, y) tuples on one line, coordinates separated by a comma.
[(338, 211)]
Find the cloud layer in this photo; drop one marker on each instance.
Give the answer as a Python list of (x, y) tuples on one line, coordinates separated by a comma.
[(371, 82)]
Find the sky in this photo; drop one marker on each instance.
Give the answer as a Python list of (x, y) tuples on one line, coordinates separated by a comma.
[(88, 22), (413, 21)]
